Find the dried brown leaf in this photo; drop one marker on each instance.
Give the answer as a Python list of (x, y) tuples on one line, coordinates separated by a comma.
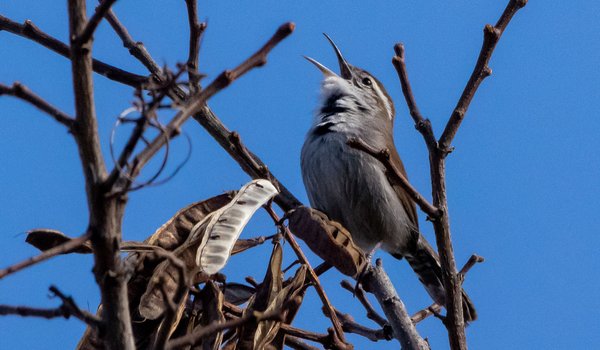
[(328, 239), (266, 292), (45, 238), (237, 293)]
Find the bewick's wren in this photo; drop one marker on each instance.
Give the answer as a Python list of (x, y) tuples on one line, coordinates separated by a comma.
[(352, 187)]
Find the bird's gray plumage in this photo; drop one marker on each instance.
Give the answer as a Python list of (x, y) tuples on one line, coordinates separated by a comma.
[(352, 187)]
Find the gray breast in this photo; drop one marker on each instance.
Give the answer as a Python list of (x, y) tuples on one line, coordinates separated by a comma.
[(351, 187)]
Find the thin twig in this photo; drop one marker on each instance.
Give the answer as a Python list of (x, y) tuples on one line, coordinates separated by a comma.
[(330, 311), (359, 292), (351, 326), (474, 259), (136, 49), (491, 36), (94, 21), (30, 31), (196, 31), (297, 344), (421, 124), (384, 157), (67, 309), (423, 314), (59, 249), (71, 307), (21, 91)]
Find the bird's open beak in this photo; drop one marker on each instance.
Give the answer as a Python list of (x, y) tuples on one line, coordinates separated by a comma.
[(345, 71), (326, 71)]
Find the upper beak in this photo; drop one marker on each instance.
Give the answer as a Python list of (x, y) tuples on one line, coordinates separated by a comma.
[(344, 66)]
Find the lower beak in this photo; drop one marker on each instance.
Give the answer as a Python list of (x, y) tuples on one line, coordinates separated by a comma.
[(326, 71)]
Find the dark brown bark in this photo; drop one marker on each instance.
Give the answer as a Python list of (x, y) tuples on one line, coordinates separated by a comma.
[(105, 213)]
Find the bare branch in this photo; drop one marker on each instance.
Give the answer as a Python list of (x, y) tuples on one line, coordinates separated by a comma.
[(196, 31), (59, 249), (491, 36), (351, 326), (297, 344), (384, 157), (67, 309), (421, 124), (196, 102), (359, 292), (94, 21), (105, 213), (423, 314), (136, 49), (21, 91), (474, 259), (72, 309), (30, 31), (377, 282)]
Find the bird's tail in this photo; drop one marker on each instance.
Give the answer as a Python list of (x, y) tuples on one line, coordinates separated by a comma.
[(425, 262)]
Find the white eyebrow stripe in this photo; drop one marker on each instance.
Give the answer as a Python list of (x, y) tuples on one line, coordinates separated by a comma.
[(388, 107)]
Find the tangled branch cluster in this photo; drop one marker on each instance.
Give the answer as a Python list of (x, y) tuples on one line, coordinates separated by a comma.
[(197, 308)]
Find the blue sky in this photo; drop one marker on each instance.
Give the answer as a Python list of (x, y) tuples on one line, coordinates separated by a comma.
[(523, 183)]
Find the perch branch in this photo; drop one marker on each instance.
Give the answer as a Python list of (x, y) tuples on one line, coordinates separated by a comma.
[(377, 282), (21, 91)]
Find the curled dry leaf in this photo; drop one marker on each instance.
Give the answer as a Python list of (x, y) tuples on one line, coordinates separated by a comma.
[(45, 238), (208, 245), (267, 330), (265, 293), (328, 239), (212, 312), (237, 293), (173, 235), (227, 223)]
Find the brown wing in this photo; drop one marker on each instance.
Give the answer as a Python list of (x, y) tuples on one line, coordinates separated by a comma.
[(407, 202)]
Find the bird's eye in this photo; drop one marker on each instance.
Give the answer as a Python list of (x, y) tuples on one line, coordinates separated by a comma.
[(367, 81)]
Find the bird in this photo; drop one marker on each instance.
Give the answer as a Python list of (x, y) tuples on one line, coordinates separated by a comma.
[(352, 187)]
